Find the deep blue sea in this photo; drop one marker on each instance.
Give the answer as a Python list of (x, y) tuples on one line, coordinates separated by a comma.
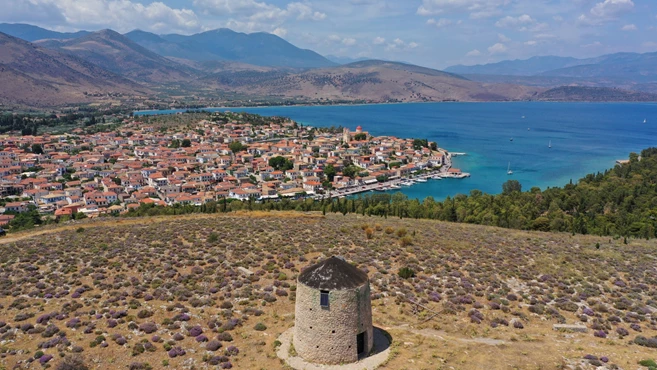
[(585, 137)]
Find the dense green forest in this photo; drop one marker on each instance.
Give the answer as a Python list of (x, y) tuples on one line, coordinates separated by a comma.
[(619, 202)]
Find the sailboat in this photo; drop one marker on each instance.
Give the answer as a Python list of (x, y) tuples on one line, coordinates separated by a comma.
[(550, 144), (645, 121), (508, 170)]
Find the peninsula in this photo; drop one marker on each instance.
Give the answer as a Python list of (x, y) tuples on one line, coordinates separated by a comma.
[(210, 157)]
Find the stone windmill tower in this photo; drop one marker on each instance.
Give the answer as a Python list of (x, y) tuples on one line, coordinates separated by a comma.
[(333, 322)]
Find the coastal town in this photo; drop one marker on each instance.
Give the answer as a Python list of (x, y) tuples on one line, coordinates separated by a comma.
[(226, 156)]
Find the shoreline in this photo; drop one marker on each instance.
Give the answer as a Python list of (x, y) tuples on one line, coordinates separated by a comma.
[(153, 112)]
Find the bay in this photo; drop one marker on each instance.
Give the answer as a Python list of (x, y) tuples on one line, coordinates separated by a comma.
[(585, 137)]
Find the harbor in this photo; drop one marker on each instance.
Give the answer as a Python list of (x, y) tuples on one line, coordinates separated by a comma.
[(395, 184)]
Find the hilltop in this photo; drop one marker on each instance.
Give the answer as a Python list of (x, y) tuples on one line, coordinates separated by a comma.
[(123, 292)]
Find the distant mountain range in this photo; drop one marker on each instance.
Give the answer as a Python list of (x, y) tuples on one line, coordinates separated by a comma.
[(116, 53), (31, 33), (263, 49), (622, 67), (528, 67), (61, 68), (344, 60)]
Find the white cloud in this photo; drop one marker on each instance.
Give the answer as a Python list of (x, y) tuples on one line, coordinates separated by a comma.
[(473, 53), (605, 11), (349, 41), (379, 40), (280, 32), (595, 44), (538, 27), (221, 7), (509, 21), (476, 8), (39, 12), (498, 48), (253, 15), (629, 27), (400, 45), (120, 15), (530, 43), (305, 12), (545, 36), (503, 37), (611, 8), (346, 41), (440, 23)]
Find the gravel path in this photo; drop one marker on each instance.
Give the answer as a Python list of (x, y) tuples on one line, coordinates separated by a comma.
[(381, 350)]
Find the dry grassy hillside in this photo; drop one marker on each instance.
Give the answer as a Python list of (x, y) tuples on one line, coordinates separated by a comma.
[(36, 76), (373, 81), (121, 293)]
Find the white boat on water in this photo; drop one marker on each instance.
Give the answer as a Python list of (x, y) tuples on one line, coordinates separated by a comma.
[(395, 187), (407, 183), (437, 177), (550, 144), (508, 170), (421, 180), (645, 120)]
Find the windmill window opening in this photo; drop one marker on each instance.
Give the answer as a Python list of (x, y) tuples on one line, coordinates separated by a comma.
[(324, 298)]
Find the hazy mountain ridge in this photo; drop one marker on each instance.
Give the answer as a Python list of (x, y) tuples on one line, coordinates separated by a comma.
[(116, 53), (32, 33), (262, 49), (343, 60), (526, 67), (621, 67), (639, 68)]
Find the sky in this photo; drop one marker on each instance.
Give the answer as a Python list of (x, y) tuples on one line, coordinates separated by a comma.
[(432, 33)]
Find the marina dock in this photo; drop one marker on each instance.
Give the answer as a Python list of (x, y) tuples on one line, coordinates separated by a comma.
[(395, 184)]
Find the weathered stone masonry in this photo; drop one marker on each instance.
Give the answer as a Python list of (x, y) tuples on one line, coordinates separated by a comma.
[(328, 335)]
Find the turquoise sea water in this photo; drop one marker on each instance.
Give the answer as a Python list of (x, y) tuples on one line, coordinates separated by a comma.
[(586, 137)]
